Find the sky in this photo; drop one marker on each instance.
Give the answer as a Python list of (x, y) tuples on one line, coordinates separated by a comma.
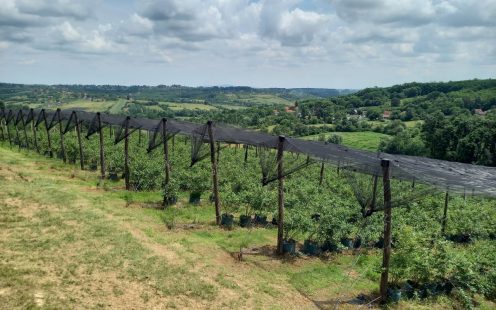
[(260, 43)]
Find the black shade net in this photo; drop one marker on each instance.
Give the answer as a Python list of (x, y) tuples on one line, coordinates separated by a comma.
[(457, 177)]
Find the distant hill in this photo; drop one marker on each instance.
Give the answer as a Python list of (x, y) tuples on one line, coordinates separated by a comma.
[(216, 95)]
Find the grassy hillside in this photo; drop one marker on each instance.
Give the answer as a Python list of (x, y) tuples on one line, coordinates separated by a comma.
[(68, 241)]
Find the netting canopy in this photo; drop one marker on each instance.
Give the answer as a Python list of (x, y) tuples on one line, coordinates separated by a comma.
[(457, 177)]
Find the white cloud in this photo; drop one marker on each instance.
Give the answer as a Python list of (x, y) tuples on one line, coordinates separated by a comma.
[(256, 34)]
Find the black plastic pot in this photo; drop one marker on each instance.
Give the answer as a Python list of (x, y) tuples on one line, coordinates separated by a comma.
[(274, 221), (394, 294), (460, 238), (289, 246), (244, 220), (194, 197), (347, 242), (170, 200), (227, 220), (260, 219), (408, 289), (113, 176), (311, 248), (357, 243), (329, 246)]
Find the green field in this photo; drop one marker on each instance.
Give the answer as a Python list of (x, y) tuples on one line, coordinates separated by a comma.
[(365, 140)]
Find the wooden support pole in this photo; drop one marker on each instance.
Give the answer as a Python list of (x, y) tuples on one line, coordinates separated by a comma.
[(102, 151), (80, 143), (18, 137), (62, 146), (246, 153), (218, 152), (25, 134), (280, 177), (321, 174), (444, 221), (35, 137), (387, 229), (1, 129), (126, 153), (165, 143), (49, 139), (214, 173), (8, 133)]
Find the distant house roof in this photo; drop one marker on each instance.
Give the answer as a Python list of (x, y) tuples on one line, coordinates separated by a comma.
[(480, 112), (386, 114), (290, 109)]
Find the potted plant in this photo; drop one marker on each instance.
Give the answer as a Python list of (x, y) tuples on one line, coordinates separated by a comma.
[(230, 203), (293, 224), (311, 246), (260, 199), (171, 191)]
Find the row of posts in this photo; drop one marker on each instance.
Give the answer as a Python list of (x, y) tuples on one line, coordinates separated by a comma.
[(385, 164)]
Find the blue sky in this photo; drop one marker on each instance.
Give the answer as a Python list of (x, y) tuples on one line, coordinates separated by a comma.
[(266, 43)]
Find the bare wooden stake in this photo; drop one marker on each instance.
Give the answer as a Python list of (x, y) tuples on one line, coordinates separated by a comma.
[(387, 229), (35, 135), (8, 134), (49, 138), (321, 174), (62, 146), (25, 133), (280, 176), (166, 156), (246, 153), (444, 222), (18, 137), (80, 143), (102, 150), (126, 153), (214, 173)]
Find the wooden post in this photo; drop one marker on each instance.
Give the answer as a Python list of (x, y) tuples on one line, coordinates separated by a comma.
[(214, 173), (444, 222), (321, 174), (1, 129), (280, 177), (35, 137), (8, 133), (80, 143), (62, 146), (166, 156), (126, 153), (102, 151), (246, 153), (25, 133), (49, 138), (218, 152), (387, 229), (18, 137)]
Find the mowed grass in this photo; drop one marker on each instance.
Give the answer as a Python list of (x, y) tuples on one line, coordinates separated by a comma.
[(176, 106), (68, 243), (364, 140)]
